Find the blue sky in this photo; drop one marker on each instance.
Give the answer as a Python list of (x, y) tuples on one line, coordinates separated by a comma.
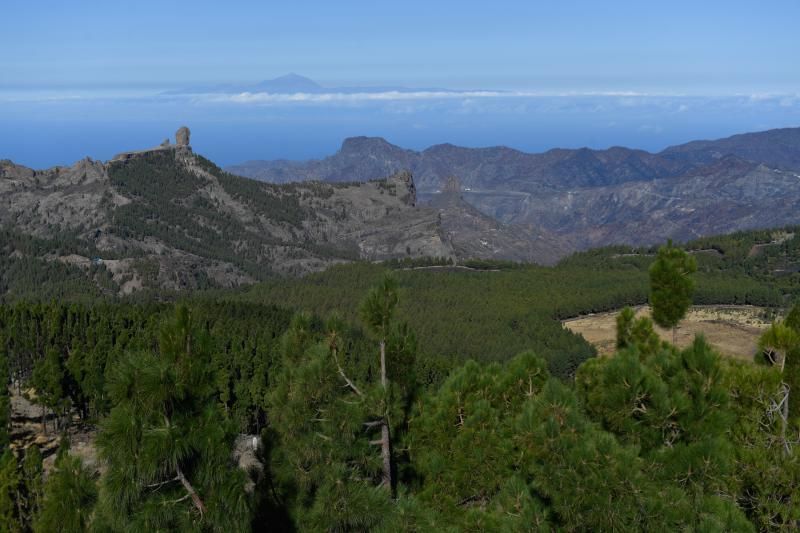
[(85, 78), (710, 46)]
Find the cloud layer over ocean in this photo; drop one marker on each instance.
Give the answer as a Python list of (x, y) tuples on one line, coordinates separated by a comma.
[(232, 126)]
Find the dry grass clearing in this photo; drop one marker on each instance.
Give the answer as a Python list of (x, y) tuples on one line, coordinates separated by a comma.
[(732, 329)]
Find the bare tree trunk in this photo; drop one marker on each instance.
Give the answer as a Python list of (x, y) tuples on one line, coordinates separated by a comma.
[(785, 418), (386, 453), (44, 420), (383, 363), (675, 335), (386, 444), (785, 406)]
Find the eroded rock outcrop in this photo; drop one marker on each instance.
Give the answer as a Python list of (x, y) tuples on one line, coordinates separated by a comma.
[(182, 136), (407, 190), (181, 142)]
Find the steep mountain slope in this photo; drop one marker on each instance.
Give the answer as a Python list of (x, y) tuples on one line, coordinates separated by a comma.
[(593, 197), (473, 234), (775, 148), (167, 218), (730, 196), (362, 158), (502, 168)]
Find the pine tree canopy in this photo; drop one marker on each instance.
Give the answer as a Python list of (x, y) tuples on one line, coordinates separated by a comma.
[(671, 288)]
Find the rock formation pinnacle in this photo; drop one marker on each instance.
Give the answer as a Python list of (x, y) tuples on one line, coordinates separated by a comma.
[(182, 136)]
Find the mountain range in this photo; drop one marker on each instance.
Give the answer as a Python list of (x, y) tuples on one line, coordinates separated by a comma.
[(167, 218), (589, 197)]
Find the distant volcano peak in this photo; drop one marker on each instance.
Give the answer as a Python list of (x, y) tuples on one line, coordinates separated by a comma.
[(288, 83)]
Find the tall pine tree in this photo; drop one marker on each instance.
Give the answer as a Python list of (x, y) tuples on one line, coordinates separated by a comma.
[(671, 288), (166, 443)]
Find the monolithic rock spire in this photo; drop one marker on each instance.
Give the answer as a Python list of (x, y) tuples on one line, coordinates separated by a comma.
[(182, 136)]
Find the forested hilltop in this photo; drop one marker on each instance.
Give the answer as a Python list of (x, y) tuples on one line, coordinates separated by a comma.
[(410, 395)]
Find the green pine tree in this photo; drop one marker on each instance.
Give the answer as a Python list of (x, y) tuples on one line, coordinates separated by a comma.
[(32, 471), (781, 343), (671, 288), (322, 461), (47, 378), (69, 497), (764, 477), (11, 512), (461, 443), (377, 310), (166, 443), (5, 405), (792, 367)]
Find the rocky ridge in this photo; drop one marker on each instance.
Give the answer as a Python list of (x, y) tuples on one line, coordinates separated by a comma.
[(584, 198), (168, 218)]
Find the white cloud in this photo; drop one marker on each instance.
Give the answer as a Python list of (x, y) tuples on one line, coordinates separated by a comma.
[(265, 98), (392, 96)]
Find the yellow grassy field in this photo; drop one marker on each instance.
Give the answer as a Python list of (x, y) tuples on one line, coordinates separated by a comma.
[(733, 330)]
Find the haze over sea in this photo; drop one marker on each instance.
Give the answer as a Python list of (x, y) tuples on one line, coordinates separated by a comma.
[(632, 73), (42, 128)]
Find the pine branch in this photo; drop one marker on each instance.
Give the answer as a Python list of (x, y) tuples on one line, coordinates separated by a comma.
[(341, 373), (190, 489), (161, 484)]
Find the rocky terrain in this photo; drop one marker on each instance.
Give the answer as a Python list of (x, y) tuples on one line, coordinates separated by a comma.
[(584, 198), (733, 196), (362, 158), (167, 218), (472, 234)]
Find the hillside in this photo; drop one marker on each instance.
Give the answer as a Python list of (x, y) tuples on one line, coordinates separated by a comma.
[(166, 218), (586, 198), (732, 195), (275, 397), (775, 148), (497, 309), (362, 158), (503, 168)]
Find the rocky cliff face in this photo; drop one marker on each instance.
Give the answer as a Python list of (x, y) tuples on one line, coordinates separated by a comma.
[(36, 202), (167, 218)]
